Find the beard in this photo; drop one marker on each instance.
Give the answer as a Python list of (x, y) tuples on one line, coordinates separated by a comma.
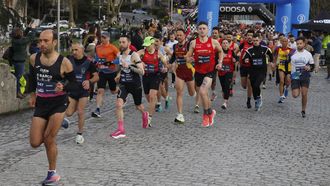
[(122, 49)]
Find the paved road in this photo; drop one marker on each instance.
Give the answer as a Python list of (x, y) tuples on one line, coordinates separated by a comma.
[(272, 147)]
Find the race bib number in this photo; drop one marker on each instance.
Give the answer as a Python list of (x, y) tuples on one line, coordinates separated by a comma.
[(149, 68), (225, 68), (203, 59), (257, 62)]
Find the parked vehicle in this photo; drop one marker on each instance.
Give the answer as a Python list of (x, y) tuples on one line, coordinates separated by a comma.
[(139, 11)]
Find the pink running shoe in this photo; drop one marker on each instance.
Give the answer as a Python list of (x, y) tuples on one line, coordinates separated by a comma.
[(118, 134), (211, 117), (145, 116), (206, 121)]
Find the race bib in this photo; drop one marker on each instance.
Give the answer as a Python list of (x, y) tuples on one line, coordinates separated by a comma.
[(149, 68), (203, 59), (257, 62), (225, 68)]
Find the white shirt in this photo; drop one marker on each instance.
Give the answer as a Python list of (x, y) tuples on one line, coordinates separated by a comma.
[(170, 44), (300, 60), (293, 45)]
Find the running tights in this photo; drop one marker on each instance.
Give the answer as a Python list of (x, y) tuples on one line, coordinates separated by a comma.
[(226, 84)]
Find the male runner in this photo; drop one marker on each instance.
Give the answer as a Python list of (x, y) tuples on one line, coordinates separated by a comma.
[(204, 50), (106, 54), (245, 66), (184, 73), (129, 83), (51, 75), (163, 86), (257, 57), (282, 57), (84, 69), (215, 35), (302, 64)]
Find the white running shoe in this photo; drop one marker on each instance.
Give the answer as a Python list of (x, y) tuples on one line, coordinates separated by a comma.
[(179, 118), (79, 139)]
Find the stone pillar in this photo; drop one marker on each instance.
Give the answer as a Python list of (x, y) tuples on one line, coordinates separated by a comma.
[(8, 100)]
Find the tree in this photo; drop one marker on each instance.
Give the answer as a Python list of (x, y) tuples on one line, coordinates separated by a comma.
[(113, 9), (71, 13)]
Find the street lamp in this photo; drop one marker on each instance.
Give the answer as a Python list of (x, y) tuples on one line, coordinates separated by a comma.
[(58, 24), (99, 10)]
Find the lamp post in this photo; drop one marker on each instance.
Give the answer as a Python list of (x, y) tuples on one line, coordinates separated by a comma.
[(99, 10), (58, 24)]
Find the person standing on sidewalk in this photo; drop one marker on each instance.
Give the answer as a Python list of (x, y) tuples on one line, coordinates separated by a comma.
[(302, 63), (51, 76), (204, 49), (84, 69), (257, 56), (129, 83)]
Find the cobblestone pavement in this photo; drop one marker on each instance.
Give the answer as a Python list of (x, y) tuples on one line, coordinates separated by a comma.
[(272, 147)]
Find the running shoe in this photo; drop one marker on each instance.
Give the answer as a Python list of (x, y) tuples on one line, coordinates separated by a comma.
[(179, 119), (224, 106), (158, 108), (52, 179), (263, 86), (149, 121), (145, 116), (286, 92), (211, 117), (327, 78), (206, 120), (196, 110), (79, 139), (168, 102), (281, 100), (214, 96), (65, 123), (248, 104), (96, 114), (258, 104), (118, 134), (303, 114)]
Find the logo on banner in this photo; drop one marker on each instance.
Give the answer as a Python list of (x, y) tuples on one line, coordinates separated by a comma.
[(209, 20), (233, 9), (301, 18), (284, 20)]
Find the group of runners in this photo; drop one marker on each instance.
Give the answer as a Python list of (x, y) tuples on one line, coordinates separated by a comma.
[(60, 85)]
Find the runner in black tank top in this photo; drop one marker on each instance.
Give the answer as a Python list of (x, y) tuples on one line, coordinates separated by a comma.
[(51, 76), (129, 83), (86, 75)]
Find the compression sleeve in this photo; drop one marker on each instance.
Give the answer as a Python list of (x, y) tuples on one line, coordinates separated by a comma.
[(136, 70), (71, 84)]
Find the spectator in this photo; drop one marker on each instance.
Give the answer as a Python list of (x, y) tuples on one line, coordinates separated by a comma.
[(317, 45), (19, 45)]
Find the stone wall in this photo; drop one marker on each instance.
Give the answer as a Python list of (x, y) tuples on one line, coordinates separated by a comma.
[(8, 100)]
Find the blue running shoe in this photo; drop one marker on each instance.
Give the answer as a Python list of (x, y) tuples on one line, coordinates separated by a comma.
[(286, 92), (158, 108), (167, 102), (96, 113), (258, 104), (52, 179), (65, 123)]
